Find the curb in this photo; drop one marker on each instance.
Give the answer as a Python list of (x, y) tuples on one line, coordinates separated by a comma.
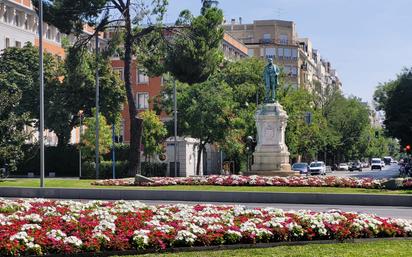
[(225, 247), (209, 196)]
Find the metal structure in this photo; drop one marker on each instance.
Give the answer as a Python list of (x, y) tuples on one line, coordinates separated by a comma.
[(80, 143), (97, 106), (175, 124), (41, 79)]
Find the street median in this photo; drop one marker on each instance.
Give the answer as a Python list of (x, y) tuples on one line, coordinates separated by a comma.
[(209, 196)]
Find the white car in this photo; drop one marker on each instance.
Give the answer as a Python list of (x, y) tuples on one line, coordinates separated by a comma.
[(317, 168), (343, 166), (376, 163)]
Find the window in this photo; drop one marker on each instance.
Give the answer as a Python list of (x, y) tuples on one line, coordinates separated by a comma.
[(6, 16), (49, 34), (26, 24), (280, 53), (294, 71), (294, 53), (286, 70), (17, 21), (283, 39), (251, 52), (267, 38), (142, 101), (142, 78), (58, 37), (7, 42), (287, 53), (120, 72), (18, 44), (270, 52)]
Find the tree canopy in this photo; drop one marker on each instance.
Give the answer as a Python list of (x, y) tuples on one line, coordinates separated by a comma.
[(393, 98)]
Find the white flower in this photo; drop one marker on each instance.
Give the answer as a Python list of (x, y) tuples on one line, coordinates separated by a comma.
[(73, 241), (56, 234), (186, 236), (141, 235), (29, 226)]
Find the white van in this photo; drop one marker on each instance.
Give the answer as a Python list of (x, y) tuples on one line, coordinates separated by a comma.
[(376, 163)]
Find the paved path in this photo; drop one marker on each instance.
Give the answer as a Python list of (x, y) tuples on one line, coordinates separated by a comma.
[(383, 211), (386, 172)]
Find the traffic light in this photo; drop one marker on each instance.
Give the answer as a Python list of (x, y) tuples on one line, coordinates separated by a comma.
[(408, 148)]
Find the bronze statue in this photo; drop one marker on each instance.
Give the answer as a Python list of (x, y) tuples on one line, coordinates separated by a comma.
[(271, 75)]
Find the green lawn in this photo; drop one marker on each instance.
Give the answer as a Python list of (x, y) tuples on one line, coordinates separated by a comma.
[(382, 248), (67, 183)]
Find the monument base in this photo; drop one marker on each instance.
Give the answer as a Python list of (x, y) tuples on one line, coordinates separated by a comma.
[(271, 156)]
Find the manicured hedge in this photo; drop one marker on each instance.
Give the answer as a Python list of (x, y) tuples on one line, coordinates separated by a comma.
[(63, 161)]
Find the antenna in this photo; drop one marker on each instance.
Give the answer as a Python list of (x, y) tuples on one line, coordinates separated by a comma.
[(279, 13)]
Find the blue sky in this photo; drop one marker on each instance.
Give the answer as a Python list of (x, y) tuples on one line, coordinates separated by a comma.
[(367, 41)]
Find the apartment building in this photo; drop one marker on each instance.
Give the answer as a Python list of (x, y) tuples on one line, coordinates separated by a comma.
[(278, 39)]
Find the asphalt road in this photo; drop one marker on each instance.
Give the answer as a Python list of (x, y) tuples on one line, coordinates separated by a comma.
[(383, 211), (386, 172)]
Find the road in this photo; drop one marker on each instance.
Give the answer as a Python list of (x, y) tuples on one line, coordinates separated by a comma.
[(387, 172), (383, 211)]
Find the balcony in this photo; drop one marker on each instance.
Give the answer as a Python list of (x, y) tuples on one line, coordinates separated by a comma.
[(271, 41)]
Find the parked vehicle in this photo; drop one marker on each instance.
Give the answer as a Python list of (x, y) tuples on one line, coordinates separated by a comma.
[(387, 160), (376, 163), (356, 166), (343, 166), (317, 167), (302, 167), (365, 165)]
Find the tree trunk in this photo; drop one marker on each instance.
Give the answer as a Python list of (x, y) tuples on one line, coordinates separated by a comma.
[(199, 158), (135, 121)]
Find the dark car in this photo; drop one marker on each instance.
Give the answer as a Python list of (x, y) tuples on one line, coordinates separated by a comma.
[(355, 166), (302, 167)]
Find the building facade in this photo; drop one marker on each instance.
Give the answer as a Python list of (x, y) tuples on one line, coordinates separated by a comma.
[(278, 39)]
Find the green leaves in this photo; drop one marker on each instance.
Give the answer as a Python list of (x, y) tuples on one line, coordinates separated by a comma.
[(154, 132), (394, 98)]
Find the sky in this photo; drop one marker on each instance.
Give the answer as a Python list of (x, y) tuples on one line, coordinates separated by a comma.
[(367, 41)]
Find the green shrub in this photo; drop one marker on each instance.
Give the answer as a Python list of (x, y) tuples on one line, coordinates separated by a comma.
[(105, 170), (63, 161)]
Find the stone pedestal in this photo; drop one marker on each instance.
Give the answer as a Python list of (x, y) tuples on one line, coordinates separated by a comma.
[(271, 156)]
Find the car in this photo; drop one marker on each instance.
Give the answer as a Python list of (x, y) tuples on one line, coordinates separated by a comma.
[(383, 164), (376, 163), (302, 167), (356, 166), (343, 166), (317, 167), (387, 160)]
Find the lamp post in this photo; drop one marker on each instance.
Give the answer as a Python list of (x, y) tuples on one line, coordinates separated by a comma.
[(97, 106), (41, 79), (80, 142), (175, 124)]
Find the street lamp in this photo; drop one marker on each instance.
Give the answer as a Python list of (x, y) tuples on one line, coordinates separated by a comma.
[(80, 142), (41, 78)]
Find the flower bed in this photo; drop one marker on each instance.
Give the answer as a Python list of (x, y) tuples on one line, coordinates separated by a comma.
[(234, 180), (38, 227), (407, 183)]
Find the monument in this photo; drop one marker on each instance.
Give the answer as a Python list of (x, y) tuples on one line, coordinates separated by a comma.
[(271, 156)]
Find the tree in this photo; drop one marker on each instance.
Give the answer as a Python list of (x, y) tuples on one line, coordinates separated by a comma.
[(25, 61), (69, 87), (89, 138), (303, 139), (208, 111), (154, 133), (12, 135), (77, 92), (195, 53), (393, 98)]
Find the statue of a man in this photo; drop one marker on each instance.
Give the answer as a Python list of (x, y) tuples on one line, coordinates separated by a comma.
[(270, 75)]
